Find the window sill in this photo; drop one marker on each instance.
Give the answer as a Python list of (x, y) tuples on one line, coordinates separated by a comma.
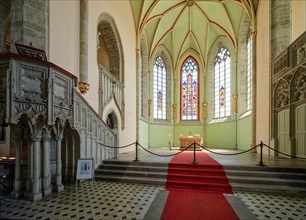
[(220, 120), (248, 113)]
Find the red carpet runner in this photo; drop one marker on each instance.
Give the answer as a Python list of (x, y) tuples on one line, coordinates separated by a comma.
[(196, 190)]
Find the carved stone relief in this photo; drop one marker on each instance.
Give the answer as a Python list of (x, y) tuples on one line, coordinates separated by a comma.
[(282, 94), (32, 110), (31, 83), (299, 85), (61, 95), (62, 114)]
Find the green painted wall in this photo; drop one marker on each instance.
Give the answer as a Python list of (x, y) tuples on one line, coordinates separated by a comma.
[(184, 130), (143, 133), (160, 135), (221, 135), (244, 129)]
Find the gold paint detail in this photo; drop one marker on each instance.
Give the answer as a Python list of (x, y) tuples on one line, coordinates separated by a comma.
[(253, 35), (150, 107), (174, 112), (83, 87), (235, 97), (204, 105)]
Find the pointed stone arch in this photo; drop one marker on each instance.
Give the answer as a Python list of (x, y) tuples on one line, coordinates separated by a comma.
[(108, 30)]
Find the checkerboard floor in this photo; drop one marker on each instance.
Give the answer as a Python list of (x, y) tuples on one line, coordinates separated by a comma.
[(113, 200)]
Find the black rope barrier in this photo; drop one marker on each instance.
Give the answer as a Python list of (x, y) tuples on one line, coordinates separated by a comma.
[(288, 155), (162, 155), (229, 154), (117, 146)]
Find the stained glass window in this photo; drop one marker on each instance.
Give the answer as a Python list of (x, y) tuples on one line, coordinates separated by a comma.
[(159, 88), (189, 90), (249, 74), (223, 83)]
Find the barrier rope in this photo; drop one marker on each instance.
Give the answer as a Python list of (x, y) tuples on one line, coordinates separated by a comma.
[(204, 148), (162, 155), (116, 147), (303, 158), (230, 154)]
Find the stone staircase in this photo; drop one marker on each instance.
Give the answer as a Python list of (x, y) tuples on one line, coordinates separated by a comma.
[(242, 178)]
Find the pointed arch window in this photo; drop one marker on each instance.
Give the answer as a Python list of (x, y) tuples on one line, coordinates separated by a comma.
[(223, 83), (159, 88), (189, 90), (249, 73)]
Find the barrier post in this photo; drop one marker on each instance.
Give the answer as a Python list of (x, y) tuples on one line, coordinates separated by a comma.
[(136, 147), (261, 162), (194, 153)]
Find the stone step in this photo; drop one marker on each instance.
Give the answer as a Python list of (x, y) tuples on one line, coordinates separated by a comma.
[(135, 173), (268, 188), (265, 169), (132, 179), (133, 167), (267, 181), (267, 174), (243, 178)]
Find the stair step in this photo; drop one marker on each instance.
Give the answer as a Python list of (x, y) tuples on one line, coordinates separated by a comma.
[(269, 188), (266, 174), (266, 181), (131, 173), (144, 180), (197, 177), (265, 169), (133, 167), (193, 184), (199, 171)]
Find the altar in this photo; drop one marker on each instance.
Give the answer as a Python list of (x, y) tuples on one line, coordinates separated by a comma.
[(187, 141)]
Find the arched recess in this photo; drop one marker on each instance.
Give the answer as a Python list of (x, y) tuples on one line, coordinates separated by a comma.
[(111, 75), (282, 117), (110, 46), (164, 54), (70, 153), (298, 99), (144, 77)]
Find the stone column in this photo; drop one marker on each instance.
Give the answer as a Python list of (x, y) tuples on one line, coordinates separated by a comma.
[(34, 170), (17, 180), (30, 167), (37, 195), (83, 84), (30, 23), (46, 183), (253, 36), (59, 186), (138, 93)]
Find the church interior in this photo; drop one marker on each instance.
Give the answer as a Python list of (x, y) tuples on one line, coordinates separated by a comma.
[(130, 109)]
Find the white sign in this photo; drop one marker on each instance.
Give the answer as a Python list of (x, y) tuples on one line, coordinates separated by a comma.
[(85, 169)]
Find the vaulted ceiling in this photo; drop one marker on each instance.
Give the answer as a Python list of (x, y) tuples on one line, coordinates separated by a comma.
[(183, 27)]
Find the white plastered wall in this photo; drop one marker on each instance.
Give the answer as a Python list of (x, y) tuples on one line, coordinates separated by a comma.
[(64, 51)]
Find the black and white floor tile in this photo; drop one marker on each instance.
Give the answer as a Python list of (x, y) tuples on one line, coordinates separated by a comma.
[(114, 200)]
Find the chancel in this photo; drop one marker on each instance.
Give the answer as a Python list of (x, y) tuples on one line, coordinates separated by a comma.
[(194, 104)]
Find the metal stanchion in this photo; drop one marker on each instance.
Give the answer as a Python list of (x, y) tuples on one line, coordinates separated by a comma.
[(261, 162), (136, 147), (194, 153)]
